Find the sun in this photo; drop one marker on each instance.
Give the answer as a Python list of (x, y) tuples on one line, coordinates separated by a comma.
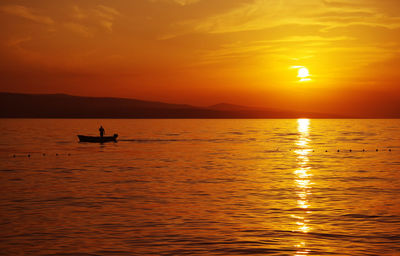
[(302, 73)]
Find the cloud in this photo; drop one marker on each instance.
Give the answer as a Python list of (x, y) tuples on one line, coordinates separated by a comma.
[(260, 14), (16, 42), (339, 4), (179, 2), (78, 13), (78, 29), (106, 16), (277, 46), (106, 12), (85, 21), (186, 2), (26, 13)]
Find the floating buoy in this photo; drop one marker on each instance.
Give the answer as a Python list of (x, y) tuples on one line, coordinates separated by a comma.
[(29, 155), (338, 150), (44, 154), (363, 150), (377, 150), (390, 150), (14, 156), (56, 154), (350, 150), (326, 150)]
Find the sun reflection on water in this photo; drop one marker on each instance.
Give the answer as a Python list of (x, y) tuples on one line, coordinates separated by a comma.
[(302, 181)]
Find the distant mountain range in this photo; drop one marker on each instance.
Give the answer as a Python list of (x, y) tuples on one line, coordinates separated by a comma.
[(16, 105)]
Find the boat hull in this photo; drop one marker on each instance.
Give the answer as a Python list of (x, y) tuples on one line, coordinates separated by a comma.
[(98, 139)]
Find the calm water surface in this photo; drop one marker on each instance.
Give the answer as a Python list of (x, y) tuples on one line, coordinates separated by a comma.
[(200, 187)]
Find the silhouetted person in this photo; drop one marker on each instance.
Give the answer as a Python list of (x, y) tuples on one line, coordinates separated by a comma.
[(101, 130)]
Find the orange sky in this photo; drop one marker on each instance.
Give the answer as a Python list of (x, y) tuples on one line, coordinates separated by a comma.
[(203, 52)]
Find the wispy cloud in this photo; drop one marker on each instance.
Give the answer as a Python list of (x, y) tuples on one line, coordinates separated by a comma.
[(78, 29), (261, 14), (106, 12), (339, 4), (186, 2), (86, 21), (26, 13), (83, 18), (15, 42), (78, 13), (106, 16), (180, 2)]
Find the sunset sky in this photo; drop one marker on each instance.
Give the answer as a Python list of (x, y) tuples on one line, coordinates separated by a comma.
[(203, 52)]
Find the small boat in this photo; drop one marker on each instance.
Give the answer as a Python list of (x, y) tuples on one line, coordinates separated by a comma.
[(97, 139)]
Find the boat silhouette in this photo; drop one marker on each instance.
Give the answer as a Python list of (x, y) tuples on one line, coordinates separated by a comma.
[(98, 139)]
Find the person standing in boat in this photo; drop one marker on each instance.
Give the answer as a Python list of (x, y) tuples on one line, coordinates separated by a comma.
[(101, 130)]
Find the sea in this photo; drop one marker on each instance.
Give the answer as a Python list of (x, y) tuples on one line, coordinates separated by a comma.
[(294, 187)]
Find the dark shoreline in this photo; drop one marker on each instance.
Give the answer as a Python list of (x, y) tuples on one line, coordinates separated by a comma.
[(50, 106)]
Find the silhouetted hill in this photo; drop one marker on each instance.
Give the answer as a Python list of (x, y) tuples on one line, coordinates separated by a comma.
[(229, 107), (16, 105)]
